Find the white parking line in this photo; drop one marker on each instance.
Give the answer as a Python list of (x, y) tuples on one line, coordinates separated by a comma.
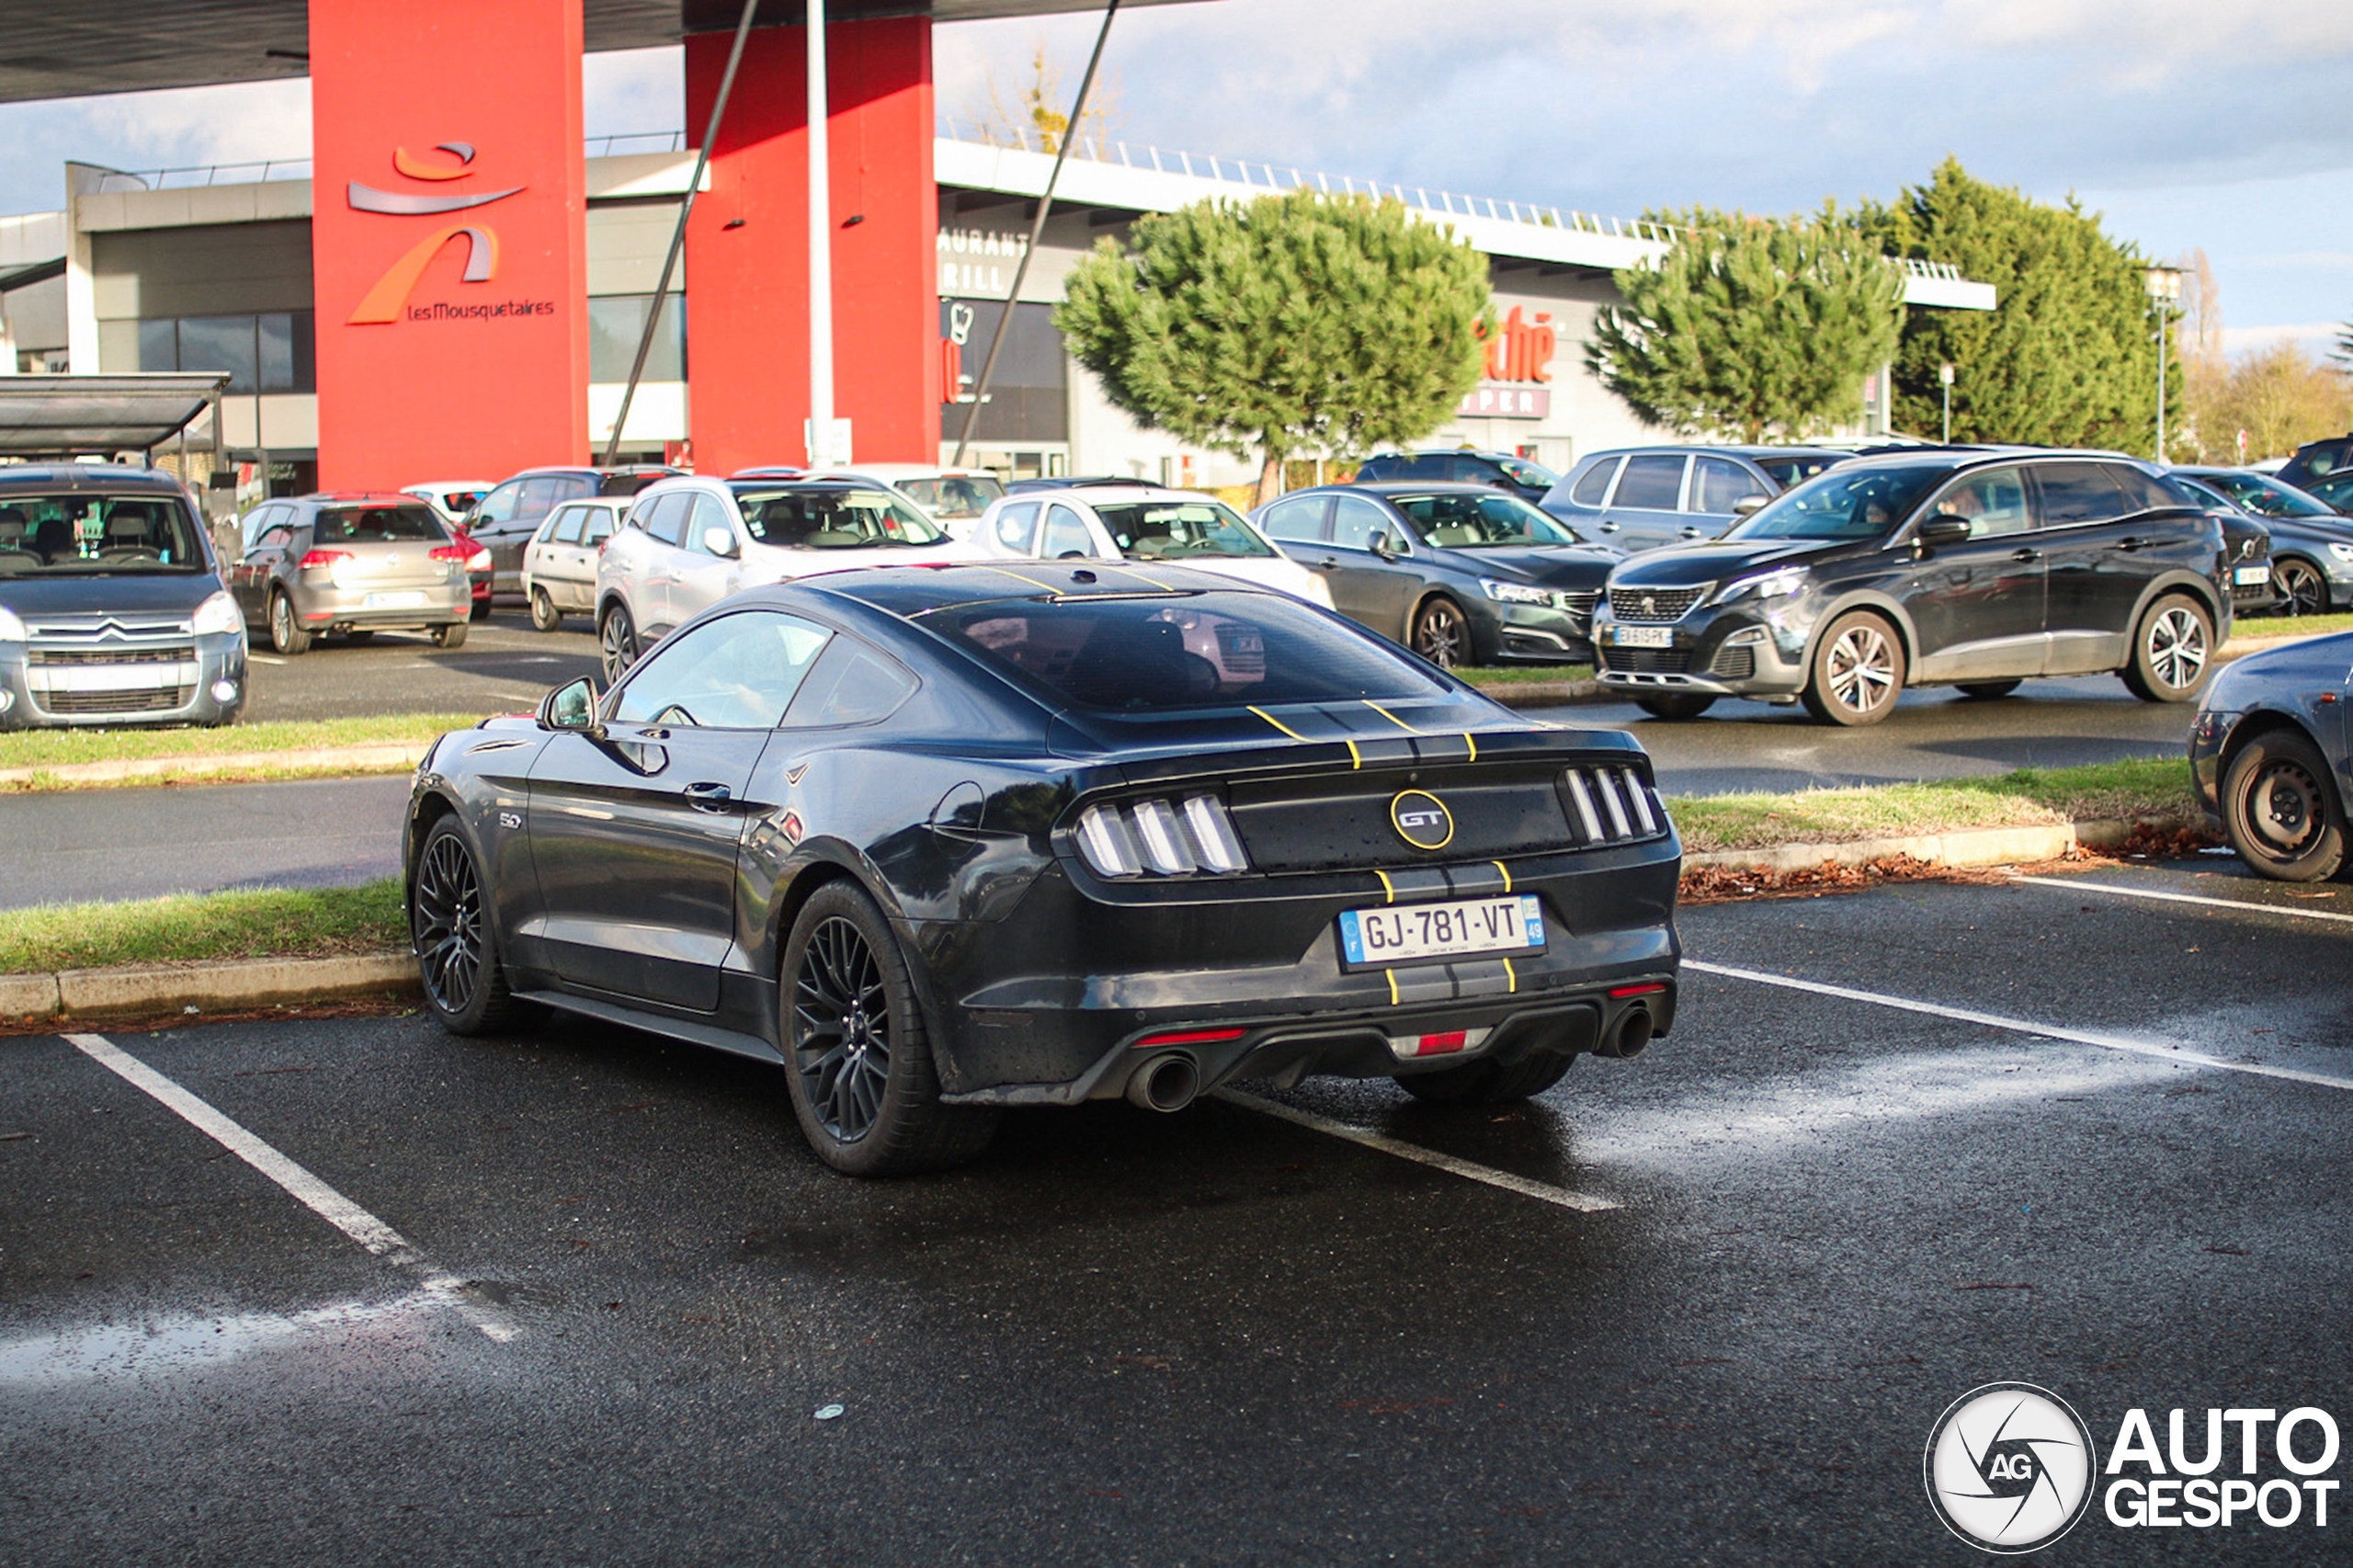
[(263, 659), (2161, 1049), (1583, 1202), (316, 1195), (2164, 897)]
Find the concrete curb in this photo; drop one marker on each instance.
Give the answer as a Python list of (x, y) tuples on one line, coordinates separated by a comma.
[(388, 758), (1975, 846), (214, 987)]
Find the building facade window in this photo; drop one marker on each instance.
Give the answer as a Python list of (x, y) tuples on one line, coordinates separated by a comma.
[(617, 322), (273, 352), (1029, 397)]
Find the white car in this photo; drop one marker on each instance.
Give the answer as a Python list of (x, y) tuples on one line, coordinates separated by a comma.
[(953, 497), (559, 564), (451, 499), (690, 543), (1140, 524)]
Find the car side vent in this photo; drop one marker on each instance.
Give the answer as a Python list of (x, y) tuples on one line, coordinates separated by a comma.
[(1613, 806), (1192, 837)]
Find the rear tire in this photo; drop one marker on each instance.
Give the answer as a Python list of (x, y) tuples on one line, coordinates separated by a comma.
[(1488, 1083), (286, 636), (545, 617), (616, 643), (2173, 651), (1858, 671), (455, 942), (2281, 811), (1679, 706), (450, 636), (1987, 690), (1442, 634)]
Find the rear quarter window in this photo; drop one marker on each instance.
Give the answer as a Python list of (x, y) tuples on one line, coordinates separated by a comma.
[(1593, 484)]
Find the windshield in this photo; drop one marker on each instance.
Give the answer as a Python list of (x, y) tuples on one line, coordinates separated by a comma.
[(96, 536), (814, 519), (1207, 650), (375, 525), (2265, 498), (1168, 531), (954, 495), (1480, 522), (1528, 475), (1790, 470), (2337, 489), (1845, 504)]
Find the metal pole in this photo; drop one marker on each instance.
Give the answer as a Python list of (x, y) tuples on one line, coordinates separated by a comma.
[(821, 250), (678, 235), (2164, 329), (1021, 271)]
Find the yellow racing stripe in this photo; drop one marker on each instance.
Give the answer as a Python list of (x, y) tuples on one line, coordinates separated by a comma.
[(1019, 577), (1512, 976), (1499, 866), (1356, 757), (1164, 587), (1392, 985), (1277, 723), (1386, 884), (1392, 716), (1471, 743)]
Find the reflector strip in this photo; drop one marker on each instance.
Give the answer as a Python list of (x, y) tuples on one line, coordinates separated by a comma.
[(1190, 1036), (1277, 723), (1441, 1044), (1651, 988), (1585, 806)]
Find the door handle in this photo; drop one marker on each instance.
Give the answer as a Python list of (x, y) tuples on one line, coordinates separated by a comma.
[(1329, 564), (708, 797), (2023, 555), (1692, 531), (2130, 544), (1609, 528)]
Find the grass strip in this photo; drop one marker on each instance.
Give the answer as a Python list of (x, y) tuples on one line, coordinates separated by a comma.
[(1526, 674), (54, 748), (2245, 627), (2152, 789), (192, 928)]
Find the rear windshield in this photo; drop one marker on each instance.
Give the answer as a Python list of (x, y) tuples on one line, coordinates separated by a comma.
[(809, 518), (954, 495), (1788, 472), (1528, 475), (1845, 502), (88, 535), (1206, 650), (375, 525), (1474, 522), (1171, 531)]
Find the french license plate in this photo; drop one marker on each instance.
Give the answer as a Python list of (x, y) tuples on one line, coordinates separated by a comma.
[(409, 600), (1642, 637), (2249, 576), (1467, 928)]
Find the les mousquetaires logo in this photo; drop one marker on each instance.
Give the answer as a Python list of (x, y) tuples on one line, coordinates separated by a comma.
[(387, 300)]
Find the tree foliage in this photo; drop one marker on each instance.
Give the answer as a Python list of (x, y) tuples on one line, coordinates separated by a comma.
[(2262, 404), (2068, 357), (1296, 324), (1750, 325)]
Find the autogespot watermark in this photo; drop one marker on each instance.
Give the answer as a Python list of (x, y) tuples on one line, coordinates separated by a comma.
[(2010, 1467)]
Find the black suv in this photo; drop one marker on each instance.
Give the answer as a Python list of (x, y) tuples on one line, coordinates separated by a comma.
[(2317, 459), (1970, 569), (504, 520), (1500, 470)]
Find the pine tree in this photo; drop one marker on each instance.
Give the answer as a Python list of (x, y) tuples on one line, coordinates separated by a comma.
[(1296, 324), (1749, 326)]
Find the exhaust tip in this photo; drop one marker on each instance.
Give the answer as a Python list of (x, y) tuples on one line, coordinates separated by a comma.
[(1632, 1036), (1166, 1083)]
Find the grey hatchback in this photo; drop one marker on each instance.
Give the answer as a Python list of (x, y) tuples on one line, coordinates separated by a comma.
[(354, 566), (1642, 497)]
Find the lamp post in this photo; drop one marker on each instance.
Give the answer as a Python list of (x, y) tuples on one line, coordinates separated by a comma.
[(2164, 284), (1944, 380)]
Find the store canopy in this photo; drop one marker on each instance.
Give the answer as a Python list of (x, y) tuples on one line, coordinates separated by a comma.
[(55, 416)]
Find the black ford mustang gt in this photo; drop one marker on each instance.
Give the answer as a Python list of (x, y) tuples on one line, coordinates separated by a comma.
[(943, 840)]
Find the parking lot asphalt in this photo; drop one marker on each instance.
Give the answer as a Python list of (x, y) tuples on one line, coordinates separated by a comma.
[(625, 1302), (504, 667)]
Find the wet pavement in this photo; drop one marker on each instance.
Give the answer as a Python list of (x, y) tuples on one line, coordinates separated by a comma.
[(1215, 1337)]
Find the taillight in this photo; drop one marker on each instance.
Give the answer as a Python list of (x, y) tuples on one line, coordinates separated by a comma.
[(478, 561), (1613, 804), (448, 553), (1163, 837), (321, 558)]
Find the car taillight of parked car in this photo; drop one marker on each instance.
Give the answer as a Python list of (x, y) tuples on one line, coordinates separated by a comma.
[(1167, 838), (318, 558)]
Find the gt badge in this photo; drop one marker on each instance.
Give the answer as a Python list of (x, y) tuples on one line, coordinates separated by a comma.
[(789, 825), (1422, 820)]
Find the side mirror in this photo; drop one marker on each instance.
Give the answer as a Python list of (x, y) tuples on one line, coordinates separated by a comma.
[(1747, 505), (1938, 532), (572, 707), (1380, 545), (719, 542)]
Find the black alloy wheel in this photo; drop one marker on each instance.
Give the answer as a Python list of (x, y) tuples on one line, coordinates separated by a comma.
[(1858, 671), (862, 1083), (1986, 690), (2280, 811), (1677, 705), (1441, 635), (545, 617), (457, 952), (2172, 651), (2301, 586), (286, 633), (616, 643)]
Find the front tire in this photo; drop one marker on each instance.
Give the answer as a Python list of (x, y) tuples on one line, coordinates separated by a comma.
[(1858, 671), (2301, 586), (545, 617), (1987, 690), (856, 1048), (456, 946), (1442, 633), (2173, 651), (1679, 706), (286, 636), (1488, 1083), (2281, 811), (616, 643)]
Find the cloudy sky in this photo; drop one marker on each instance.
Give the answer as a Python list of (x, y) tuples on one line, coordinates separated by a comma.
[(2186, 122)]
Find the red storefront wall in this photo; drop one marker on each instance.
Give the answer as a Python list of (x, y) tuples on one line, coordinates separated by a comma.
[(747, 248), (452, 331)]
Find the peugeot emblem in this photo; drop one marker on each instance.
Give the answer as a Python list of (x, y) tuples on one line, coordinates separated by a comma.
[(1650, 604)]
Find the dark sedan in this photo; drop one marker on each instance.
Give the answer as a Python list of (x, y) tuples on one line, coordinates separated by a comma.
[(2310, 543), (2267, 754), (942, 841), (1461, 574)]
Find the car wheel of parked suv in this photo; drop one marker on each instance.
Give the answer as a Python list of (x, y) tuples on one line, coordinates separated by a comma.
[(1858, 671), (450, 636), (286, 633), (1488, 1083), (616, 643), (1441, 635), (2172, 651), (545, 617), (1679, 706), (2299, 588), (2280, 811), (1986, 690)]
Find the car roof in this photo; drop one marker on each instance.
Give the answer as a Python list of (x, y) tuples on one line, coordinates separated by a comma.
[(1487, 452), (86, 476), (911, 591), (1398, 487), (386, 497), (892, 472)]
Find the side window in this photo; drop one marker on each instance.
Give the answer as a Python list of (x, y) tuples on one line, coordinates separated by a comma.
[(501, 503), (667, 520), (736, 673), (564, 526), (707, 515), (1472, 470), (852, 684), (1356, 519), (1066, 535), (539, 498), (1300, 520), (1718, 485), (278, 536), (1654, 483), (2074, 494), (1016, 525), (595, 525), (2141, 494), (1424, 465), (1993, 502), (259, 521), (1593, 484)]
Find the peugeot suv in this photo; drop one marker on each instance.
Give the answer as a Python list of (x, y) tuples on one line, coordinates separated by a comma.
[(1977, 570)]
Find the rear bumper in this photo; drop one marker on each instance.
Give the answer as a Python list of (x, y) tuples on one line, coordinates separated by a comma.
[(438, 604)]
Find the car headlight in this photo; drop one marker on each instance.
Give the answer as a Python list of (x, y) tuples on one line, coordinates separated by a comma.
[(12, 629), (2342, 551), (1514, 593), (1770, 585), (216, 617)]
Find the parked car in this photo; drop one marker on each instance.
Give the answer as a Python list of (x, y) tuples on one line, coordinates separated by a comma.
[(1976, 570), (1497, 471), (112, 605), (559, 564), (952, 498), (690, 543), (504, 520), (2317, 459), (451, 499), (2309, 545), (352, 566), (1645, 497), (2335, 490), (1141, 524), (2267, 754), (940, 842), (1461, 574)]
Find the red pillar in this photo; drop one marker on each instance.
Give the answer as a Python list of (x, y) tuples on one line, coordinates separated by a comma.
[(747, 248), (448, 238)]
